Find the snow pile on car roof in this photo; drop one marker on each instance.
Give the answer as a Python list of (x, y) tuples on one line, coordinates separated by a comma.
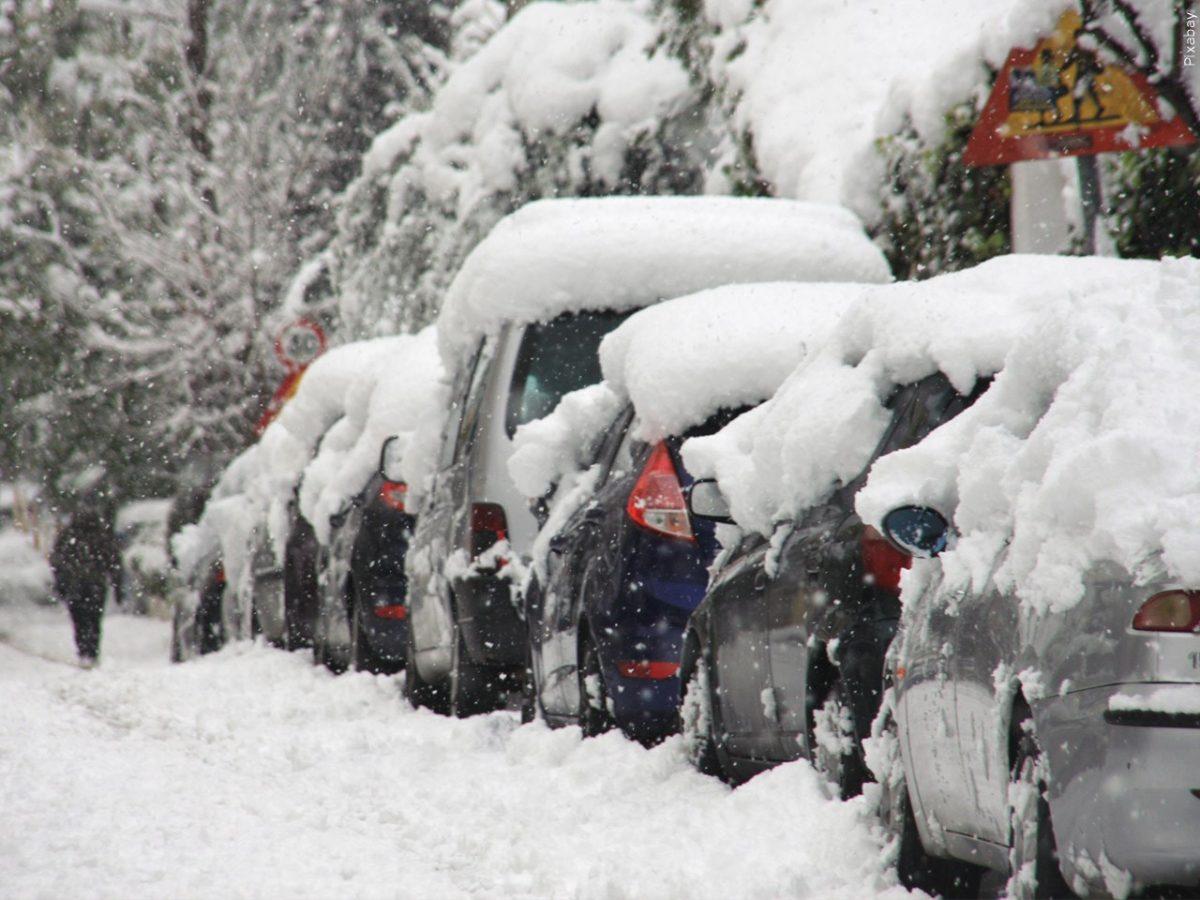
[(390, 399), (557, 256), (1084, 449), (824, 423), (680, 362)]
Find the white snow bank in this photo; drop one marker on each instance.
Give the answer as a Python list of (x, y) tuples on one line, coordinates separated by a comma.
[(390, 399), (252, 773), (822, 425), (1085, 448), (556, 256)]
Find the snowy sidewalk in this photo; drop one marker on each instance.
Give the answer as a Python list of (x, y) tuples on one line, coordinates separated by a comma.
[(252, 774)]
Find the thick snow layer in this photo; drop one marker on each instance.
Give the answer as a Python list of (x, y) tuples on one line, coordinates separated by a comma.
[(812, 78), (1085, 448), (556, 256), (827, 418), (1183, 699), (547, 449), (251, 773), (680, 362), (818, 82), (389, 399)]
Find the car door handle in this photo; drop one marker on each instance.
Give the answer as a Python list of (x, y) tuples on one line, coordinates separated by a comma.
[(761, 579)]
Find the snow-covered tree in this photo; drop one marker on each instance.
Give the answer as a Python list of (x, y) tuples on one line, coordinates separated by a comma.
[(563, 99), (166, 168)]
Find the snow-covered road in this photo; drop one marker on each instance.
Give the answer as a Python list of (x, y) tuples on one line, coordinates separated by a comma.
[(252, 774)]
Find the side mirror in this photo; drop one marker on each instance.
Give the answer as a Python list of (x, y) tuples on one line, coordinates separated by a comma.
[(390, 458), (917, 530), (705, 501)]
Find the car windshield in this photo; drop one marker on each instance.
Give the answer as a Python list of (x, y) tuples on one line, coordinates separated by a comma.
[(556, 358)]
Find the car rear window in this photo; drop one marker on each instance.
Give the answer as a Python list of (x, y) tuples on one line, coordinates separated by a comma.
[(555, 358)]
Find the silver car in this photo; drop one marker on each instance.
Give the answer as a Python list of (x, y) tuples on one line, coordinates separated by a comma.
[(1059, 747)]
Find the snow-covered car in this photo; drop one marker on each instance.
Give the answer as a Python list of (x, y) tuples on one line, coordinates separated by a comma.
[(141, 528), (1044, 711), (354, 495), (519, 330), (619, 565), (272, 507)]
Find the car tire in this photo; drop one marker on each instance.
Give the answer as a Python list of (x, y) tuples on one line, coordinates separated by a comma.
[(362, 657), (1033, 860), (531, 707), (917, 869), (595, 717), (473, 688), (832, 743), (419, 692), (321, 652), (696, 722)]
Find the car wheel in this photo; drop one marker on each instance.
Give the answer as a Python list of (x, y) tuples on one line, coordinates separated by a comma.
[(531, 708), (696, 722), (322, 654), (419, 692), (595, 716), (362, 657), (832, 742), (473, 687), (1033, 860), (916, 869)]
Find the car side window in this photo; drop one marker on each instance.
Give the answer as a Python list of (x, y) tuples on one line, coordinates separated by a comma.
[(473, 405), (460, 394), (936, 402), (613, 449)]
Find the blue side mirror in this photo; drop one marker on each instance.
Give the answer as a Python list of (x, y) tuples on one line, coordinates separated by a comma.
[(917, 530)]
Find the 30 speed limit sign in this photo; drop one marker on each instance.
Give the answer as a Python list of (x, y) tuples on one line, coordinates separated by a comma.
[(299, 343)]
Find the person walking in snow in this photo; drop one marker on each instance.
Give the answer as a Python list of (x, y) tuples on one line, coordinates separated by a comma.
[(85, 559)]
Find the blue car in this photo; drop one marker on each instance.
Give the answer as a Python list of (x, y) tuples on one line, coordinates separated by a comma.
[(621, 578)]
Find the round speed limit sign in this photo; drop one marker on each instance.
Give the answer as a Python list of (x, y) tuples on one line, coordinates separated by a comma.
[(299, 343)]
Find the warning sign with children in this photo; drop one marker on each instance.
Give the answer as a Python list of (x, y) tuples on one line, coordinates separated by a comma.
[(1061, 99)]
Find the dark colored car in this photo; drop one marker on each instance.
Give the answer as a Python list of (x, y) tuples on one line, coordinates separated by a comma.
[(622, 576), (784, 657), (362, 620), (301, 556)]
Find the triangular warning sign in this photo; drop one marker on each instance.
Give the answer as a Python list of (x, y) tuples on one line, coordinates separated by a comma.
[(1059, 99)]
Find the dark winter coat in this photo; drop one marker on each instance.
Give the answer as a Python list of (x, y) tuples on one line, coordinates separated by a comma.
[(85, 557)]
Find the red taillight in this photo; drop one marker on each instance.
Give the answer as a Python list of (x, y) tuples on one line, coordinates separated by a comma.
[(488, 527), (1169, 611), (656, 501), (219, 575), (882, 563), (647, 668), (397, 611), (393, 494)]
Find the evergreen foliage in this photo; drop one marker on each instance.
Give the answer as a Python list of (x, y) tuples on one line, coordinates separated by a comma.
[(938, 214), (1153, 203)]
